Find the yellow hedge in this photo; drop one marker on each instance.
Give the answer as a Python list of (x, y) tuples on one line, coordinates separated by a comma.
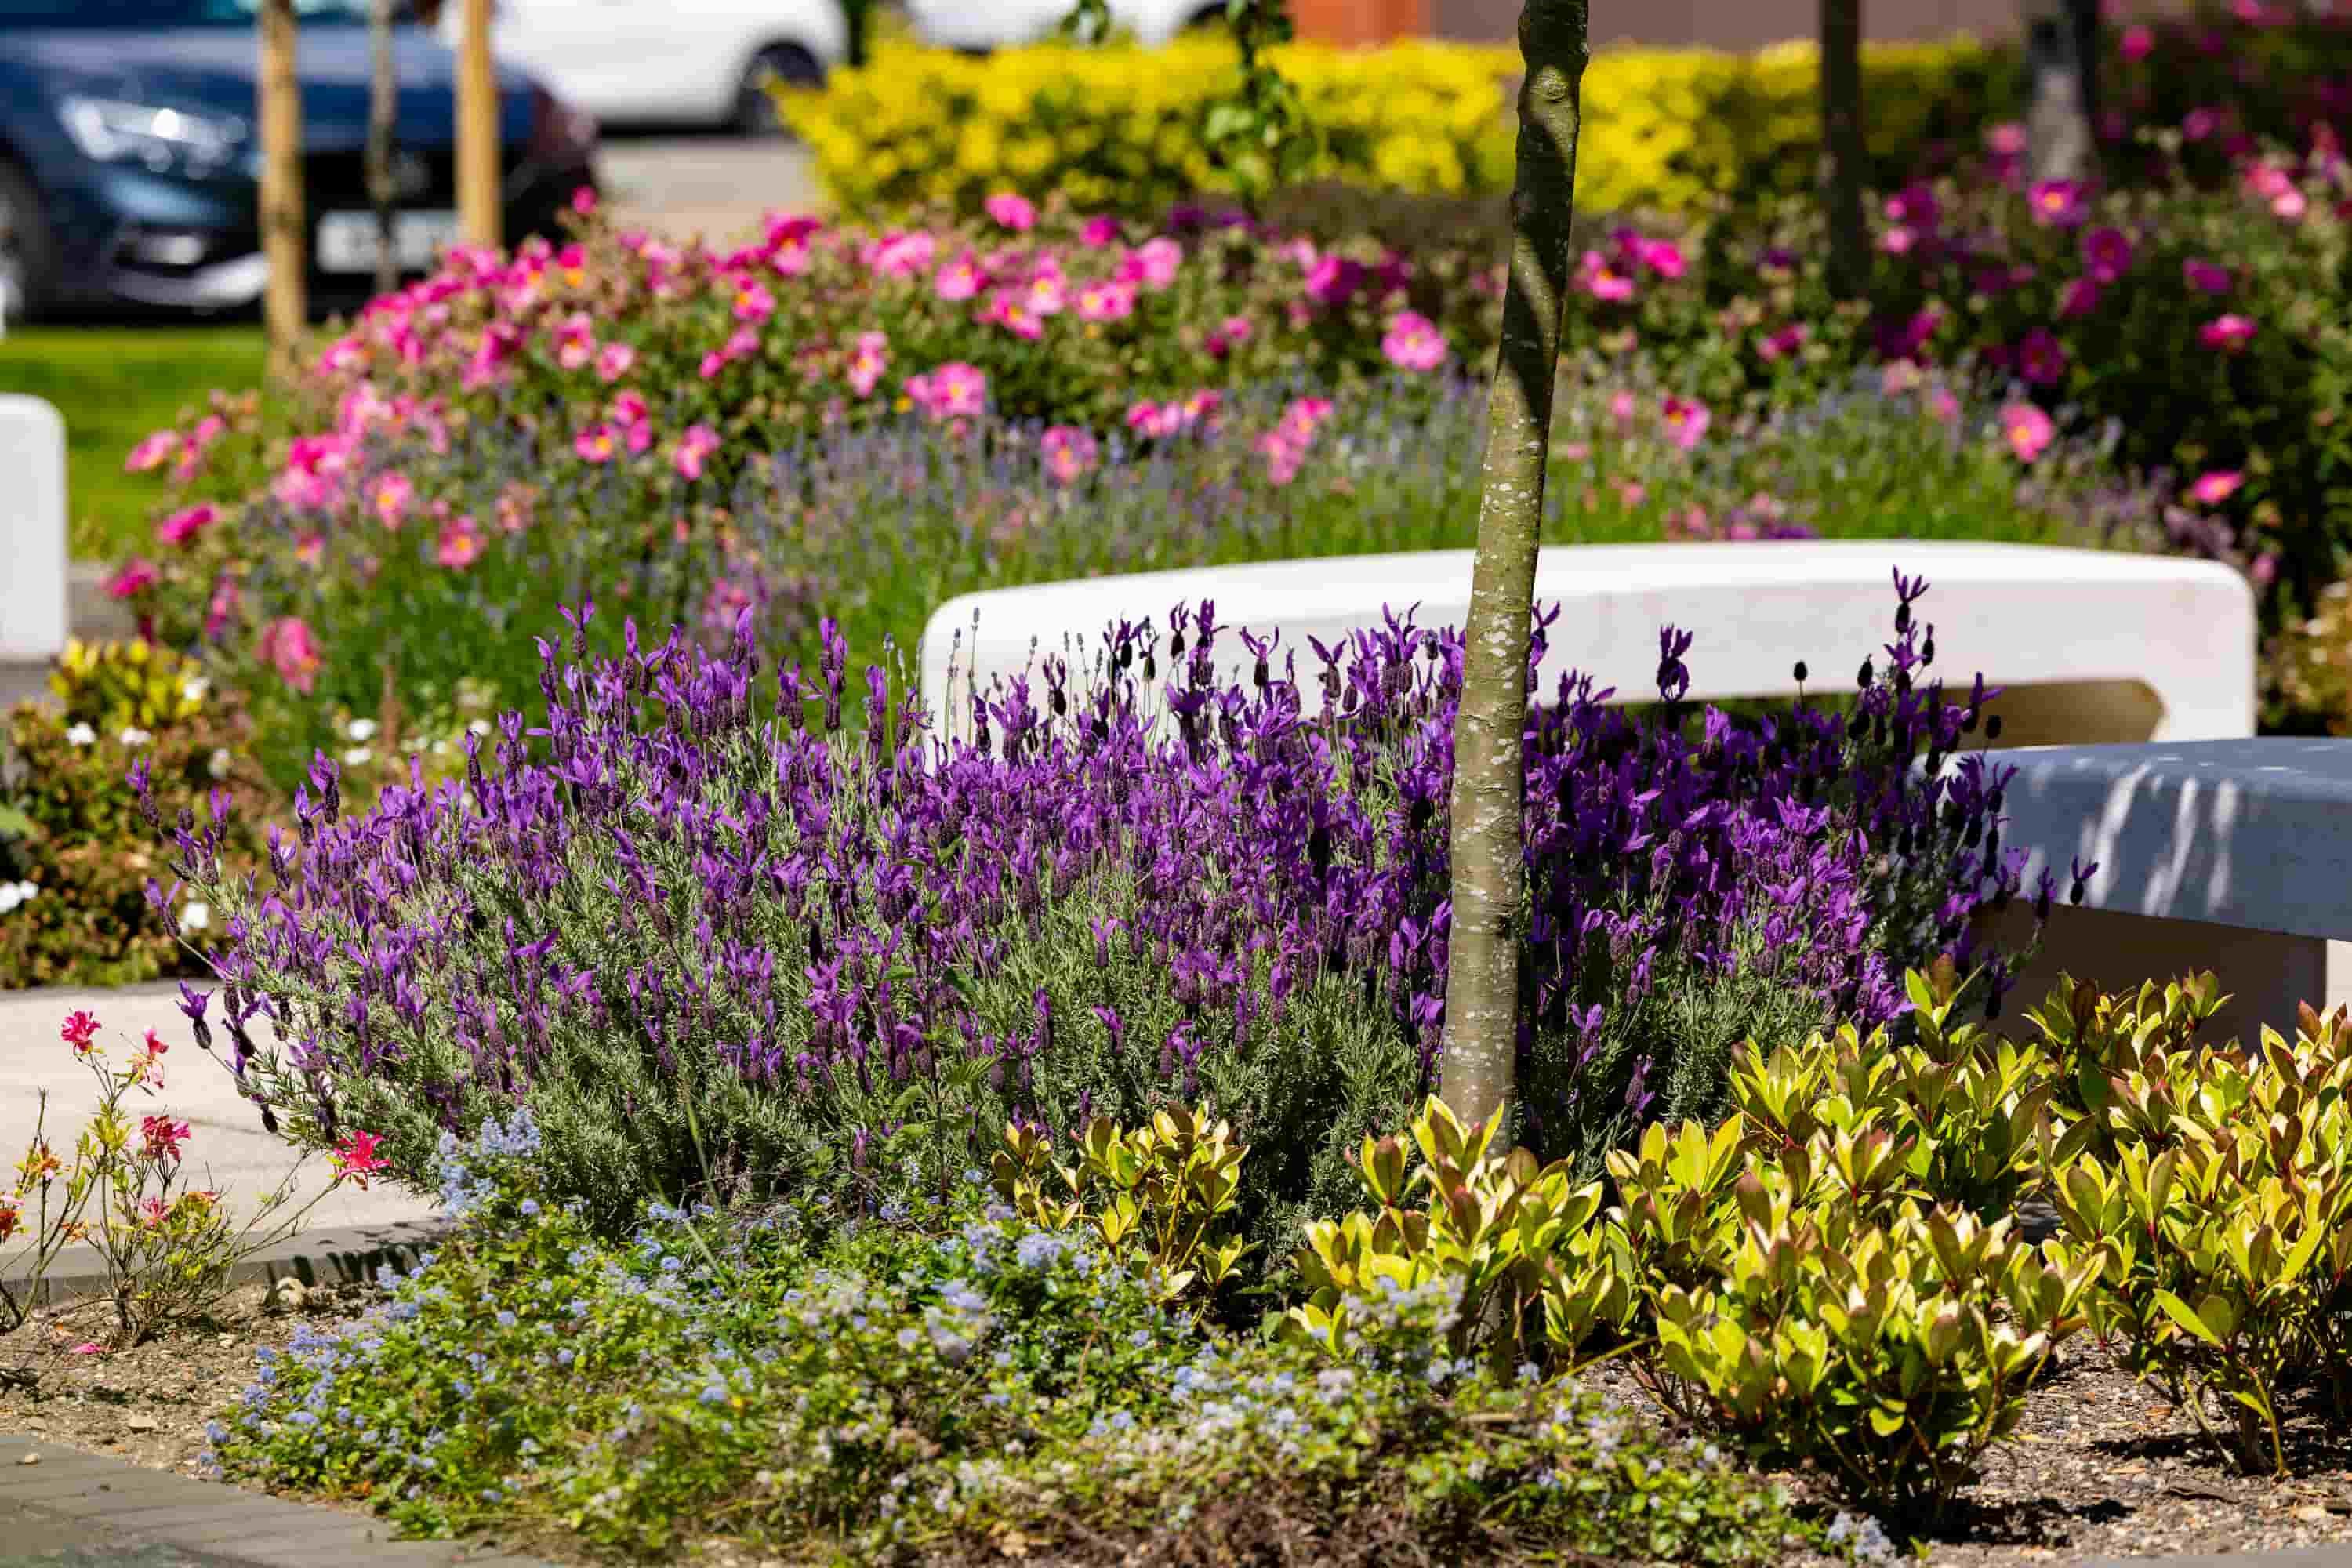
[(1115, 128)]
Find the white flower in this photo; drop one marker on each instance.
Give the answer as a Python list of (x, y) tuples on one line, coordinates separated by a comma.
[(360, 729), (82, 735), (134, 736), (15, 893), (195, 916), (221, 761), (440, 747), (357, 757), (195, 688), (479, 727)]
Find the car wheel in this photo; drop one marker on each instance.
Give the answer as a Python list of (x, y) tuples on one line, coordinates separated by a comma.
[(28, 251), (786, 64)]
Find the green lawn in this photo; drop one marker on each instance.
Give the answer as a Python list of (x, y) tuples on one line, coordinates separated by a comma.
[(114, 385)]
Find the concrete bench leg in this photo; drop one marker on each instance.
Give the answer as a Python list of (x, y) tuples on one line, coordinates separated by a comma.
[(2264, 974)]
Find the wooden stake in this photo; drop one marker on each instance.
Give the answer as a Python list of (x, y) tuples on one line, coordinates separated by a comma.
[(477, 129), (283, 239)]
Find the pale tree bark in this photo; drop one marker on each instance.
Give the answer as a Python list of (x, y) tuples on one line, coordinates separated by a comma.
[(2062, 56), (478, 128), (384, 104), (285, 308), (1488, 827), (1842, 145)]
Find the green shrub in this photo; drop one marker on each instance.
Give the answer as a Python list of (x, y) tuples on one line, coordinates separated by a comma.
[(72, 829), (932, 1382)]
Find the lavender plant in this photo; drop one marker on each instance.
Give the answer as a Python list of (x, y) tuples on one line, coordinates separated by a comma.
[(719, 930)]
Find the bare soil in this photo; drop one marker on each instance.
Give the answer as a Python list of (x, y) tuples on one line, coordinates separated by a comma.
[(2102, 1468)]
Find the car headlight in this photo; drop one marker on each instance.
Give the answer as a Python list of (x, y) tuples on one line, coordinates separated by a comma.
[(113, 131)]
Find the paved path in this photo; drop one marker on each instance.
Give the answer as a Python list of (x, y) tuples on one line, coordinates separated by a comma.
[(228, 1151), (69, 1509)]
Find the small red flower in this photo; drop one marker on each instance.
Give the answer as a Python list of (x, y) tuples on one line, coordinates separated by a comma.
[(355, 1157)]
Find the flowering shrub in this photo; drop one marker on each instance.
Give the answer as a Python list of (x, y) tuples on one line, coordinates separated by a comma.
[(877, 525), (720, 935), (948, 1380), (76, 856), (168, 1247), (1121, 127)]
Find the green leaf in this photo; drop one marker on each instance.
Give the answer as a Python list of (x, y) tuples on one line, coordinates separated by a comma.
[(2178, 1311)]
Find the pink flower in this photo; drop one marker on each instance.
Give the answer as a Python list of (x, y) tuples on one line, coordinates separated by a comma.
[(1622, 408), (575, 340), (355, 1158), (1045, 296), (151, 452), (1334, 280), (1599, 277), (1413, 343), (1008, 311), (186, 523), (2057, 203), (1099, 232), (597, 443), (2041, 357), (753, 303), (2213, 488), (2199, 123), (1153, 263), (2078, 298), (694, 446), (1069, 452), (87, 1347), (2227, 333), (1109, 300), (1686, 421), (867, 363), (1897, 240), (2028, 430), (2136, 43), (287, 646), (1154, 420), (1786, 342), (958, 279), (1016, 213), (1943, 404), (629, 408), (79, 1029), (390, 497), (1663, 257), (2205, 276), (584, 199), (2107, 253), (1301, 419), (159, 1137), (954, 390), (614, 361), (899, 255), (2005, 140), (137, 575), (1203, 405), (1914, 206), (460, 545)]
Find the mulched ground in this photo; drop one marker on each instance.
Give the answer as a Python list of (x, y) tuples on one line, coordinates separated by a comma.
[(2103, 1467)]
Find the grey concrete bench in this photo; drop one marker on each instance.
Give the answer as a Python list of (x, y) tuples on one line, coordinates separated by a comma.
[(32, 531), (2233, 856)]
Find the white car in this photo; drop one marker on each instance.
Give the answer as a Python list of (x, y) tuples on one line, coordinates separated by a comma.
[(701, 61), (979, 26)]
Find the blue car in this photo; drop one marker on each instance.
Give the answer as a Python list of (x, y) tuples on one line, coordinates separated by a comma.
[(130, 169)]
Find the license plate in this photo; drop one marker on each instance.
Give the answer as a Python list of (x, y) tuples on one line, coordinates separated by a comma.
[(349, 242)]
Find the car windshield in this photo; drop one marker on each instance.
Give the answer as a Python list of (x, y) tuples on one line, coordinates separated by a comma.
[(145, 14)]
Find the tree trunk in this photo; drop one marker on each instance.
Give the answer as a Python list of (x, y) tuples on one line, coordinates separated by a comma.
[(1841, 146), (285, 309), (1489, 729), (383, 101), (2059, 142), (477, 129)]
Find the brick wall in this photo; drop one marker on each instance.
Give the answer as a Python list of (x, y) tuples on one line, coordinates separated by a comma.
[(1718, 24)]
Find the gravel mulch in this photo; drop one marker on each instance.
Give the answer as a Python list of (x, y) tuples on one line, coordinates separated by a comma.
[(2101, 1467)]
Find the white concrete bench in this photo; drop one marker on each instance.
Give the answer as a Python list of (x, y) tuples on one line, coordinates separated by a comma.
[(2095, 646), (32, 531), (2233, 856)]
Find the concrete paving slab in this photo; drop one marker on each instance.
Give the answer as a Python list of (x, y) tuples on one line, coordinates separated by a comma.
[(227, 1150), (717, 187)]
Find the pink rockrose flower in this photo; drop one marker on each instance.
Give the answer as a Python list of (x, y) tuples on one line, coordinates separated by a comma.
[(2214, 487), (597, 443), (1013, 211), (614, 361), (958, 279), (135, 576), (1413, 343), (186, 523), (2028, 429), (287, 647), (2227, 333), (460, 545), (866, 363), (1108, 300), (1686, 420), (696, 447), (1070, 453)]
